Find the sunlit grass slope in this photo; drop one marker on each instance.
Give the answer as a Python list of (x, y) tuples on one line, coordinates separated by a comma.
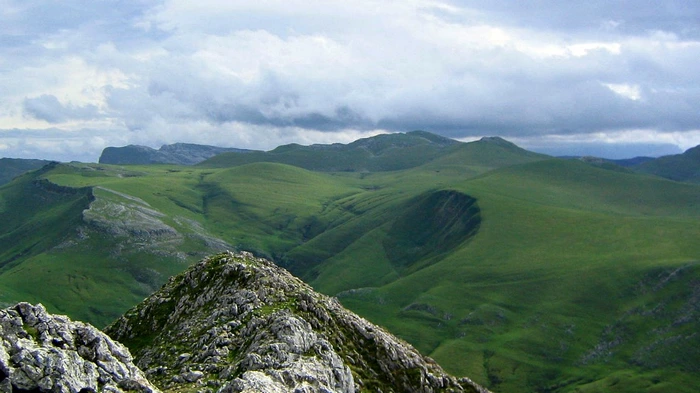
[(575, 272)]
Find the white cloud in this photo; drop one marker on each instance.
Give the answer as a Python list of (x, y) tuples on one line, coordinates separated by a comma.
[(632, 92)]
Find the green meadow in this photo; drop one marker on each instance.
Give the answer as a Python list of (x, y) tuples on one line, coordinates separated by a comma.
[(523, 272)]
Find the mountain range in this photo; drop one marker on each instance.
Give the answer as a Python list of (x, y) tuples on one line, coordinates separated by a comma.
[(380, 153), (522, 271)]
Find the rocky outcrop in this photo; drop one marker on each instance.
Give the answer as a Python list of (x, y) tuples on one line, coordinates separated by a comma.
[(40, 352), (124, 215), (177, 154), (236, 323)]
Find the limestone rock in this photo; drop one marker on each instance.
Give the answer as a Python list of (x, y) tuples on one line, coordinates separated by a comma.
[(50, 353), (243, 324)]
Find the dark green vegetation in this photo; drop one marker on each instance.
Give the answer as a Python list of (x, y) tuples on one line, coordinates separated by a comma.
[(523, 272), (680, 167), (13, 167)]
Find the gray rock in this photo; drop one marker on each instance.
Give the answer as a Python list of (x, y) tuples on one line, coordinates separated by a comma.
[(178, 153), (193, 376), (257, 328), (51, 353)]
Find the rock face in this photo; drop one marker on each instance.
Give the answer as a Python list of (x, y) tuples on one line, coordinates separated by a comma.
[(235, 323), (178, 154), (40, 352)]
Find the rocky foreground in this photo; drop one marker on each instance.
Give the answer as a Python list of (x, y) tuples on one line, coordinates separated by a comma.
[(235, 323), (231, 323), (40, 352)]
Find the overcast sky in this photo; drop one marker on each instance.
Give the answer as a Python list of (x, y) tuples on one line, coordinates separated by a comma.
[(600, 77)]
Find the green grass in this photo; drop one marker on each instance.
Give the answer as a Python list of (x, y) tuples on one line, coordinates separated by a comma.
[(560, 252), (566, 257)]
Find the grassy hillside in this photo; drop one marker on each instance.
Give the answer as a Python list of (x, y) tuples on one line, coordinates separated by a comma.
[(13, 167), (680, 167), (89, 247), (563, 285), (388, 152), (523, 272)]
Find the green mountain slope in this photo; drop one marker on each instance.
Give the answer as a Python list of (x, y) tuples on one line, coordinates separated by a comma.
[(13, 167), (680, 167), (88, 249), (523, 272), (548, 294), (380, 153), (35, 208)]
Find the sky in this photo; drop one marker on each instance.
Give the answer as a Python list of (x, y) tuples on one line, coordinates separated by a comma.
[(608, 78)]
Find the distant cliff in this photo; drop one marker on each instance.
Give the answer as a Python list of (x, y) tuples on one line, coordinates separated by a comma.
[(176, 154)]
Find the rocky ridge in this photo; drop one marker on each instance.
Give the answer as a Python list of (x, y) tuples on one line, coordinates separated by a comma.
[(236, 323), (177, 154), (40, 352)]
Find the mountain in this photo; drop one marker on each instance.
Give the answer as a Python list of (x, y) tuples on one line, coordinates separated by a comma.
[(13, 167), (176, 154), (386, 152), (519, 270), (634, 161), (679, 167), (40, 352), (236, 323)]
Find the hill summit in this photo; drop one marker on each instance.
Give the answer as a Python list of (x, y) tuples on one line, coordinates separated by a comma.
[(236, 323), (679, 167), (384, 152)]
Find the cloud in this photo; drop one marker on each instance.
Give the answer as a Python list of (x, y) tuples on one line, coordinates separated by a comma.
[(150, 71), (47, 107), (58, 144), (611, 17)]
